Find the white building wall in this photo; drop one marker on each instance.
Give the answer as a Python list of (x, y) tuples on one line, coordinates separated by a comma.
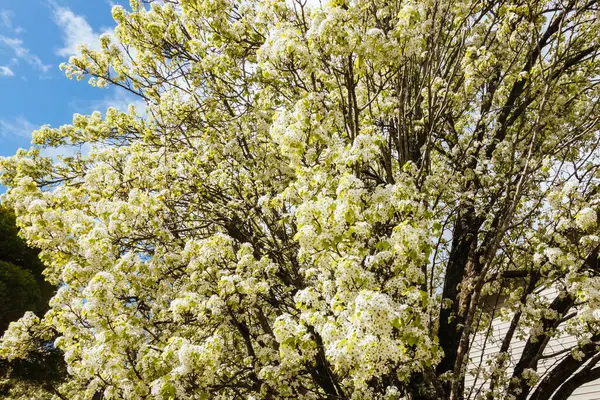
[(589, 391)]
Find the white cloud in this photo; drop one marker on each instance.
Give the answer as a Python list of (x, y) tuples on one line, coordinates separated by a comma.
[(6, 18), (19, 127), (121, 101), (5, 71), (76, 31), (23, 53), (118, 98), (16, 45), (65, 151)]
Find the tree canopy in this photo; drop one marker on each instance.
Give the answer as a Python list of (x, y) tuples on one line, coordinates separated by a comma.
[(326, 201), (22, 285), (23, 289)]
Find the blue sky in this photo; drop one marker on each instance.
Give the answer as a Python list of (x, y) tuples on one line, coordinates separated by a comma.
[(35, 37)]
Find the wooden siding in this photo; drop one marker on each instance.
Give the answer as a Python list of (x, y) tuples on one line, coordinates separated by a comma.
[(482, 351)]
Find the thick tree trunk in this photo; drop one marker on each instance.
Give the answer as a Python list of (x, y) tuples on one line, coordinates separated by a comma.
[(561, 373), (576, 381), (460, 264)]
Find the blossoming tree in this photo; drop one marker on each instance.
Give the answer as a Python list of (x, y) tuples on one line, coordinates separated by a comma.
[(322, 201)]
